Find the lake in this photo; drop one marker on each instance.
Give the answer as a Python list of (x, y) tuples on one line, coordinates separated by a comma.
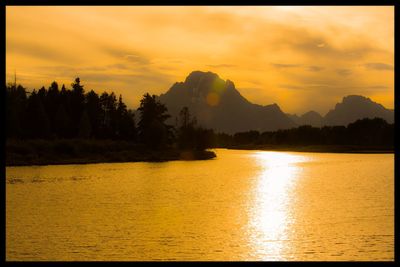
[(242, 205)]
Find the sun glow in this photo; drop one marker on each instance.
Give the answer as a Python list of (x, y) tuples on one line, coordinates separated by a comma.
[(271, 215)]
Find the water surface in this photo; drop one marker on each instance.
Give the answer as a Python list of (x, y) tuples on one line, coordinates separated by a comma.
[(243, 205)]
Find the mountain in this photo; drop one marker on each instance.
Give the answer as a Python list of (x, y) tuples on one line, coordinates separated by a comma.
[(217, 104), (312, 118), (296, 119), (354, 107)]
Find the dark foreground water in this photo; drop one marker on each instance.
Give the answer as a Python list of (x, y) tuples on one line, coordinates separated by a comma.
[(243, 205)]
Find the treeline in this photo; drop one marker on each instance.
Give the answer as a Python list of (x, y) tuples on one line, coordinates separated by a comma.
[(55, 113), (154, 132), (364, 132), (66, 113), (70, 113)]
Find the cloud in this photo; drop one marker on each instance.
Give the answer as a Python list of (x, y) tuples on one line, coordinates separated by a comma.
[(131, 83), (252, 90), (308, 44), (285, 66), (222, 66), (379, 66), (315, 68), (130, 78), (323, 87), (377, 87), (118, 66), (39, 51), (122, 52), (344, 72), (293, 56), (137, 59), (292, 87)]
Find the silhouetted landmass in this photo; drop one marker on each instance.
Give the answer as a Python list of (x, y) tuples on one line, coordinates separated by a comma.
[(355, 107), (352, 108), (366, 135), (52, 126), (312, 118), (60, 126), (67, 113), (218, 105), (78, 151)]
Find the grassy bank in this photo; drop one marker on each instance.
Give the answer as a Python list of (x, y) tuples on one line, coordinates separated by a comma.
[(318, 148), (77, 151)]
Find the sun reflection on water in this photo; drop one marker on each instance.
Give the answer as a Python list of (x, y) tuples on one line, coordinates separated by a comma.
[(271, 216)]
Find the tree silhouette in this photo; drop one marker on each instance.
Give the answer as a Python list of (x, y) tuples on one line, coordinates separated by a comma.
[(77, 102), (15, 107), (108, 104), (152, 130), (186, 136), (364, 132), (51, 102), (125, 122), (94, 112), (36, 120), (65, 113), (62, 125), (84, 126)]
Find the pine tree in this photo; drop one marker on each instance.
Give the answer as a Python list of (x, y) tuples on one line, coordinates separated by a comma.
[(153, 131), (51, 103), (84, 126), (186, 130), (77, 103), (37, 122), (125, 122), (15, 108), (94, 112), (62, 123)]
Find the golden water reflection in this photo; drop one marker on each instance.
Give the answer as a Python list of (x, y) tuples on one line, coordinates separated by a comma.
[(244, 205), (271, 217)]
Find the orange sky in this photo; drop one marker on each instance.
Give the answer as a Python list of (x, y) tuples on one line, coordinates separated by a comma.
[(302, 58)]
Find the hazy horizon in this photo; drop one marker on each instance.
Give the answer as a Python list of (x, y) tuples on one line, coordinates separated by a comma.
[(302, 58)]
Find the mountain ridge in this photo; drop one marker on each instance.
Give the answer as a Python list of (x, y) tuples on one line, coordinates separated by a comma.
[(217, 104), (355, 107)]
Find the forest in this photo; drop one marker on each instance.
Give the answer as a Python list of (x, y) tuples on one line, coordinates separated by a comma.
[(70, 123), (66, 113), (365, 132), (67, 125)]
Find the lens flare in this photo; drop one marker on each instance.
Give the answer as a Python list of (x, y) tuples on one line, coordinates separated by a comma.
[(212, 99)]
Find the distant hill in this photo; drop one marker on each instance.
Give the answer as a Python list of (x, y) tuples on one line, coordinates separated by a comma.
[(354, 107), (217, 104), (312, 118)]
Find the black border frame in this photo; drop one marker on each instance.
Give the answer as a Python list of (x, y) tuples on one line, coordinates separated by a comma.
[(191, 3)]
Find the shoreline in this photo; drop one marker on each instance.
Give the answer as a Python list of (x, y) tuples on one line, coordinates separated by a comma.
[(319, 149), (67, 152), (181, 156)]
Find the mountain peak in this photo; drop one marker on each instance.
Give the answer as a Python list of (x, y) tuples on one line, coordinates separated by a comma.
[(218, 104), (355, 98), (312, 118), (197, 75), (354, 107), (274, 106), (312, 113)]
